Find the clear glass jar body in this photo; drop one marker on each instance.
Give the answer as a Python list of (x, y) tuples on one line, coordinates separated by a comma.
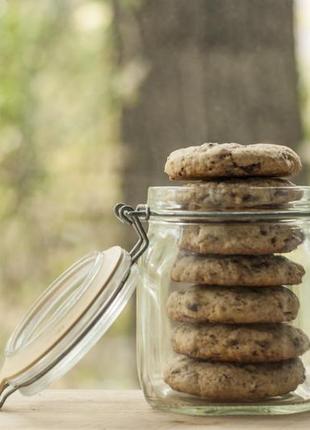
[(155, 350)]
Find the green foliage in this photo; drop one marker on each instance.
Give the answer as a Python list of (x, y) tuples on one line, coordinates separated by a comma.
[(59, 152)]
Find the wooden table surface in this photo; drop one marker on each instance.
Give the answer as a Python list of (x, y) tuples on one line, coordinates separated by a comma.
[(105, 410)]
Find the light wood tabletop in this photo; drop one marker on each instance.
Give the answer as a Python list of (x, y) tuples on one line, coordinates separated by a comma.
[(117, 410)]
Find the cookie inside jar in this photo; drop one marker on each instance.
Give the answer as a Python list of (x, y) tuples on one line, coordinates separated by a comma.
[(233, 302)]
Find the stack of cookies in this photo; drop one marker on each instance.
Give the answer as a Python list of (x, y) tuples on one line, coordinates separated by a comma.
[(230, 316)]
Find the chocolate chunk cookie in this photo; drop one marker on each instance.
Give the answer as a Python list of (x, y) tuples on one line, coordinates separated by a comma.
[(252, 343), (233, 305), (212, 160), (234, 193), (240, 238), (237, 270), (226, 382)]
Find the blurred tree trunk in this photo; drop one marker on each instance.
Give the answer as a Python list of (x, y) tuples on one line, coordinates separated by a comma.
[(203, 70)]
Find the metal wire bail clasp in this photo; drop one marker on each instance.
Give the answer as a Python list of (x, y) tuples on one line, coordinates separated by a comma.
[(129, 215)]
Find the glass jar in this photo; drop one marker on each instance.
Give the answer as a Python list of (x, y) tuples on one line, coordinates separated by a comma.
[(222, 300), (223, 296)]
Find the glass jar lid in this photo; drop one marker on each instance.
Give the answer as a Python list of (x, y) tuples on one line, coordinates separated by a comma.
[(71, 315)]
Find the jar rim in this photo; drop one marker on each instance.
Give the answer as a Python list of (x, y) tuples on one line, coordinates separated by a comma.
[(215, 199)]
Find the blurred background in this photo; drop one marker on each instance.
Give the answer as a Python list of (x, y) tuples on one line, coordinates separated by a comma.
[(94, 94)]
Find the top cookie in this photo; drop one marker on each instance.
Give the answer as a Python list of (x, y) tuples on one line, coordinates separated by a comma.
[(212, 160)]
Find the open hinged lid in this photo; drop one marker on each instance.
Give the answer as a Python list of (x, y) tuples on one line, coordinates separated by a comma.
[(71, 315)]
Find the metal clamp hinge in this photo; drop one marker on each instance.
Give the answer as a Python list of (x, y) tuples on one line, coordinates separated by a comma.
[(129, 215)]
